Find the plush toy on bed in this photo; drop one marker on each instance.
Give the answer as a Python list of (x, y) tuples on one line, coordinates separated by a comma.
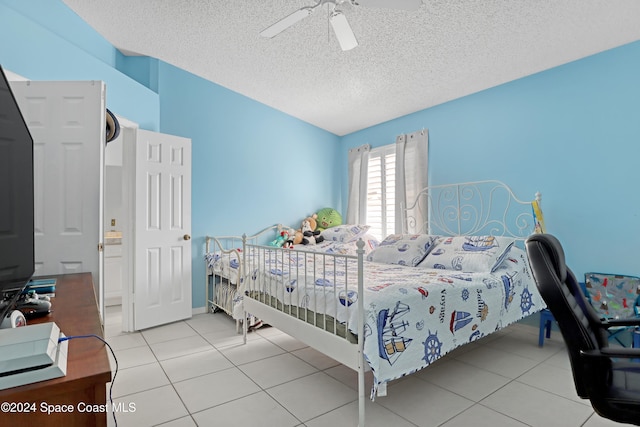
[(327, 218), (295, 238), (311, 236), (280, 240)]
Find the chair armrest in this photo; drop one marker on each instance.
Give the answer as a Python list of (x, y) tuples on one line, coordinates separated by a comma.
[(628, 321), (609, 352)]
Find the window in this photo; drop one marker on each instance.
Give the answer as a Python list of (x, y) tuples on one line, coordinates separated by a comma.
[(381, 184), (375, 196)]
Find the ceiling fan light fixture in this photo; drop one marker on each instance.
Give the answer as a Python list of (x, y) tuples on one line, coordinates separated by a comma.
[(343, 30)]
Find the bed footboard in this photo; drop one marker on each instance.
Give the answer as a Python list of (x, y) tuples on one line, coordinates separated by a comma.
[(223, 256), (225, 272)]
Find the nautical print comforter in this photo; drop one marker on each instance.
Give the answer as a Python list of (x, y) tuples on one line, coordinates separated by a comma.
[(413, 315), (227, 265)]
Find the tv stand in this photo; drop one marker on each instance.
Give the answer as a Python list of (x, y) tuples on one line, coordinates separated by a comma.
[(75, 311)]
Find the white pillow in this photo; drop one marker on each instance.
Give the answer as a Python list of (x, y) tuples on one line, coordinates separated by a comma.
[(370, 242), (403, 249), (345, 233), (473, 254)]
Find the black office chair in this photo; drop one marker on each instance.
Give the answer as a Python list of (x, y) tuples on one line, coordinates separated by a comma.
[(607, 376)]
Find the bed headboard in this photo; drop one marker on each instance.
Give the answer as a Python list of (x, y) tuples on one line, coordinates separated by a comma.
[(471, 208)]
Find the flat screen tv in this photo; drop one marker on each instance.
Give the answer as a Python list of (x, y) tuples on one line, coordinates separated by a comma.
[(17, 261)]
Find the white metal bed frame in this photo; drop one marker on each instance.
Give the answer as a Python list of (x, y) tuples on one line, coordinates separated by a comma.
[(229, 246), (471, 208), (338, 348)]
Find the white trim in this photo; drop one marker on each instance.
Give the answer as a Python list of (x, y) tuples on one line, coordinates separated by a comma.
[(13, 77)]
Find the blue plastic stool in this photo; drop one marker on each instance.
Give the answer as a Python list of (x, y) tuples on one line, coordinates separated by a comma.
[(545, 326)]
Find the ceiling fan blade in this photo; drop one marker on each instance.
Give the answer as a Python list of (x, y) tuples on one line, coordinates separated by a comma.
[(286, 22), (343, 31), (390, 4)]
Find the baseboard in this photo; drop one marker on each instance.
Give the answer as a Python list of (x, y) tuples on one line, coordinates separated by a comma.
[(198, 310)]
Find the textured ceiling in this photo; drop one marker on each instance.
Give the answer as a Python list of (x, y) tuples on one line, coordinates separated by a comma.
[(405, 61)]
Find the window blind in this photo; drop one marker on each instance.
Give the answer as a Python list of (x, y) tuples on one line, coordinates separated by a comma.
[(381, 177)]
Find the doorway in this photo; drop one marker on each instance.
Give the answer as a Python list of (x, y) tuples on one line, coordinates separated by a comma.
[(148, 227), (118, 225)]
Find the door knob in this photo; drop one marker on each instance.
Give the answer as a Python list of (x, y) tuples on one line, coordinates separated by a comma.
[(186, 237)]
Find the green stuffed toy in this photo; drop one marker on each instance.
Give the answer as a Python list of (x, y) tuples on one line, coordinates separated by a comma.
[(327, 218)]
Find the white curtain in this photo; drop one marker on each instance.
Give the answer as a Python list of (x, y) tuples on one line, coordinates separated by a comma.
[(357, 204), (412, 157)]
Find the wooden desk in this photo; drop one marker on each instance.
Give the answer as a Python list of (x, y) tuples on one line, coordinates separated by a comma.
[(75, 311)]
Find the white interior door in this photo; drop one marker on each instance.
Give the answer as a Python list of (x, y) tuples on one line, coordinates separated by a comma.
[(162, 229), (67, 123)]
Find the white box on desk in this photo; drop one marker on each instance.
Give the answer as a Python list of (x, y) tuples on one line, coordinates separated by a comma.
[(31, 353)]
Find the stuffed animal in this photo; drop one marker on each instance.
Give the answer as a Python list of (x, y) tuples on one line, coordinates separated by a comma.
[(294, 239), (328, 217), (280, 240), (311, 236)]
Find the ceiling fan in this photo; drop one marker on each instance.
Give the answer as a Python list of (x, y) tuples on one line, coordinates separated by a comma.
[(338, 20)]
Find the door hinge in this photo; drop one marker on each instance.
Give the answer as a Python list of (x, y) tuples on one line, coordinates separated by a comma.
[(100, 247)]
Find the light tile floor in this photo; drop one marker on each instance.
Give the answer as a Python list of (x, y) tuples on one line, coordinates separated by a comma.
[(198, 373)]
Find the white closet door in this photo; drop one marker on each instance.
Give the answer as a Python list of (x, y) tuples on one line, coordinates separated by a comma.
[(67, 123), (162, 245)]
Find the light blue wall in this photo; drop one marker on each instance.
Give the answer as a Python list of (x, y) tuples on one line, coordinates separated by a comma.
[(45, 40), (572, 133), (252, 165)]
